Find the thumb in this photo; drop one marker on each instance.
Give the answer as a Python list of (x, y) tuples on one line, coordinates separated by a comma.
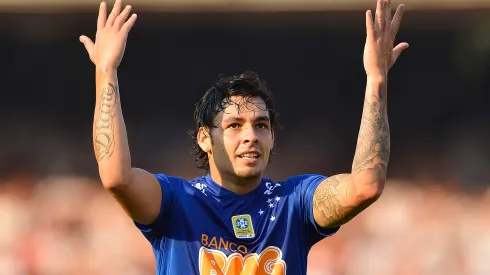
[(397, 51), (87, 42)]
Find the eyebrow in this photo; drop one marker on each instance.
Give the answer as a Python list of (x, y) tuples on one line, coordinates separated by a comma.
[(237, 118)]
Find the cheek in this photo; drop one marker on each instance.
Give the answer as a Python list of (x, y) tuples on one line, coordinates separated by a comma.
[(218, 146), (220, 149), (267, 141), (230, 143)]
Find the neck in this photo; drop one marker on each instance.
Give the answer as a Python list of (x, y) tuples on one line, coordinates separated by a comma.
[(234, 183)]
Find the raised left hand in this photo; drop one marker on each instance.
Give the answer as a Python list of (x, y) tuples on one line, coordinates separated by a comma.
[(379, 54)]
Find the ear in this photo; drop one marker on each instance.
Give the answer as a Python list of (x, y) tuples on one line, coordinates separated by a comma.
[(204, 139)]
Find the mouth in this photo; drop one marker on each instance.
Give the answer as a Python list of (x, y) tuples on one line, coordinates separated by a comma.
[(250, 156)]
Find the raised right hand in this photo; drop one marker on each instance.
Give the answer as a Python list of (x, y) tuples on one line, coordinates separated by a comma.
[(110, 40)]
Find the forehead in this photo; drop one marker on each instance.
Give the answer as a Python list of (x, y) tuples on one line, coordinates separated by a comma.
[(246, 108)]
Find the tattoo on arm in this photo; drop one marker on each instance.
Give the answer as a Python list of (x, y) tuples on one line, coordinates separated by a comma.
[(373, 144), (331, 212), (104, 131), (373, 148), (326, 202)]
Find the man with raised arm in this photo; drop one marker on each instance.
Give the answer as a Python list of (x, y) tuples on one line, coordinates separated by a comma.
[(233, 220)]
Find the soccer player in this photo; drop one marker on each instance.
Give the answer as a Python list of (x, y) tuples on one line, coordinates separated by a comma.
[(233, 220)]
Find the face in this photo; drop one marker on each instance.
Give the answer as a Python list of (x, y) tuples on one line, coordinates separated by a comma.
[(241, 144)]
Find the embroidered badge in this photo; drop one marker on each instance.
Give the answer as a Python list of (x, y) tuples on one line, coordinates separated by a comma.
[(243, 227)]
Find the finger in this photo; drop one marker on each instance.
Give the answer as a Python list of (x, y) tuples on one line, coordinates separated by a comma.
[(115, 12), (102, 15), (397, 20), (387, 15), (379, 23), (369, 24), (122, 17), (130, 23), (87, 42), (397, 51)]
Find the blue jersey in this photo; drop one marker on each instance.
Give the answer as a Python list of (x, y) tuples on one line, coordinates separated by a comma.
[(205, 229)]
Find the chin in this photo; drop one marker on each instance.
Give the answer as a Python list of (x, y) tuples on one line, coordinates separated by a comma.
[(249, 173)]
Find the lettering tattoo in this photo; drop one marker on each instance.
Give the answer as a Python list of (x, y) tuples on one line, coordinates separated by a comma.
[(104, 131)]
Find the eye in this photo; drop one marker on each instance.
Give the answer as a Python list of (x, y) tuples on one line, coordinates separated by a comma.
[(233, 126), (262, 126)]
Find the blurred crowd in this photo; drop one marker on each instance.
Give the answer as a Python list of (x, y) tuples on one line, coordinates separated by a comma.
[(71, 226)]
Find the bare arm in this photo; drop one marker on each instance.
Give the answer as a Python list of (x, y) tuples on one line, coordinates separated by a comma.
[(136, 190), (340, 198)]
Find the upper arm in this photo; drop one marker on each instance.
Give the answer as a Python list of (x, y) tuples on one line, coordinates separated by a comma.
[(141, 198), (337, 200)]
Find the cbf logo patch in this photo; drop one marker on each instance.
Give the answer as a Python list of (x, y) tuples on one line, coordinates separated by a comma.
[(243, 227)]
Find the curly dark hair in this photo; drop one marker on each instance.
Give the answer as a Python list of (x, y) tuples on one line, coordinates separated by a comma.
[(218, 97)]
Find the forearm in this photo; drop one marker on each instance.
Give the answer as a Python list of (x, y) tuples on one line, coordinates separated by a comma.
[(341, 197), (109, 132), (373, 144)]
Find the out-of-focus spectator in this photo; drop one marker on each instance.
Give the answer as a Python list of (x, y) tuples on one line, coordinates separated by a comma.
[(71, 226)]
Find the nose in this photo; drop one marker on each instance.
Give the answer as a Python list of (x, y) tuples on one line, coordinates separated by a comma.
[(249, 135)]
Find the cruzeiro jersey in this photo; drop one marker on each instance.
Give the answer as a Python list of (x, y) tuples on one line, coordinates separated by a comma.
[(205, 229)]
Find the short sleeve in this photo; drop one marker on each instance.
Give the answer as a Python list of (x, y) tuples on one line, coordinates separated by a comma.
[(156, 229), (305, 186)]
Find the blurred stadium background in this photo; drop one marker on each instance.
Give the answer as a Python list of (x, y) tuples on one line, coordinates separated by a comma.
[(434, 217)]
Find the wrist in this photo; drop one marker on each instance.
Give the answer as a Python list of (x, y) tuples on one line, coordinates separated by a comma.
[(105, 71), (377, 78), (376, 87)]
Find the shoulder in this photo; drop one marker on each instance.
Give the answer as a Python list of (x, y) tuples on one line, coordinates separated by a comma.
[(293, 184), (176, 183), (302, 179)]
